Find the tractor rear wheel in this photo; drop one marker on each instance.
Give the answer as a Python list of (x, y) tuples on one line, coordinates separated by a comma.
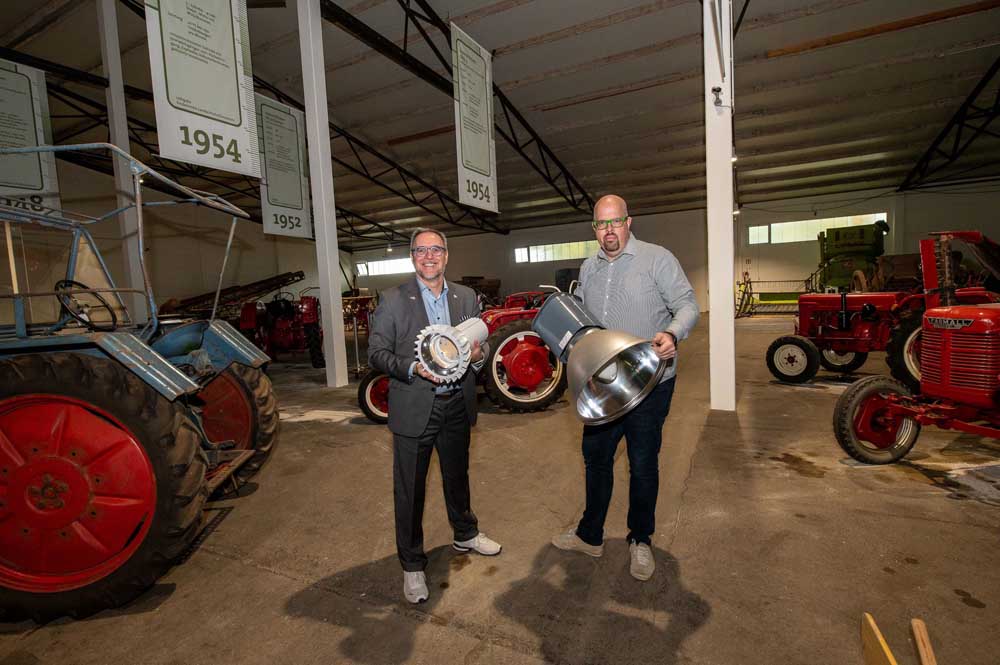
[(240, 406), (103, 479), (373, 396), (522, 374), (864, 426), (314, 342), (842, 362), (903, 350), (793, 359)]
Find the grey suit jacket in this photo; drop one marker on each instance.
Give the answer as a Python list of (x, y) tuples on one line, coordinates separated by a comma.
[(398, 319)]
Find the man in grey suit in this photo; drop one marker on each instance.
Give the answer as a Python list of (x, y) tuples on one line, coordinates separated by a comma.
[(424, 413)]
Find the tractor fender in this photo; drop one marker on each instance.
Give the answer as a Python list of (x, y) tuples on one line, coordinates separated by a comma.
[(223, 344)]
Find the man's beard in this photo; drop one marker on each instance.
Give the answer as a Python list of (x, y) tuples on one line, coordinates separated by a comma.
[(610, 243)]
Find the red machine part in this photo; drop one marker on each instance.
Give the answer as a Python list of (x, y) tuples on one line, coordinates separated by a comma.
[(227, 415), (820, 314), (77, 493), (526, 360)]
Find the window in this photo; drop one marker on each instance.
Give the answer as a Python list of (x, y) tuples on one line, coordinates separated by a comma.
[(758, 235), (563, 251), (362, 269), (810, 228), (385, 267)]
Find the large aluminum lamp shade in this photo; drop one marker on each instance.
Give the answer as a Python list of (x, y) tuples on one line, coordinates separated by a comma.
[(610, 372)]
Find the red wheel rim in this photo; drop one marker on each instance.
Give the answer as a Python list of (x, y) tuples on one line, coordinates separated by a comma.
[(227, 414), (875, 423), (77, 493), (378, 395), (526, 361)]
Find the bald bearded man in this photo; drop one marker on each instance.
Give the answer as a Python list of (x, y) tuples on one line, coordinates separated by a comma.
[(640, 288)]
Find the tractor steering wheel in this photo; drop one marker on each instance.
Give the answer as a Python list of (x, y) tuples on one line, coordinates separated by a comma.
[(81, 311)]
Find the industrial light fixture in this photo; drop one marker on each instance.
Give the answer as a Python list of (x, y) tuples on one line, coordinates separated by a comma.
[(734, 158), (609, 371), (388, 248), (736, 212)]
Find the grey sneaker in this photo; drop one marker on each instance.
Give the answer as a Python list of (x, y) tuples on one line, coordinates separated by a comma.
[(481, 544), (415, 586), (573, 543), (642, 565)]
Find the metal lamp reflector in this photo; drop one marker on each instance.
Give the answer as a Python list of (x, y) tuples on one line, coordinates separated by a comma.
[(445, 351)]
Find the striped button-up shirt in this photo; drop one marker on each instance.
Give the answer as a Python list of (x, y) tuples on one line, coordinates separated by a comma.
[(642, 291)]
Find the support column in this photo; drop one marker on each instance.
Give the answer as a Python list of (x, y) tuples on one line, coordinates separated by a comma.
[(128, 222), (321, 177), (718, 50), (897, 244)]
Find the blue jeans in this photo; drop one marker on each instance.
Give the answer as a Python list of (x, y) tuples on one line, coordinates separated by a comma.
[(642, 428)]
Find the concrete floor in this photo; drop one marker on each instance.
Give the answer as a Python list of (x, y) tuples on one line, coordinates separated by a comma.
[(770, 544)]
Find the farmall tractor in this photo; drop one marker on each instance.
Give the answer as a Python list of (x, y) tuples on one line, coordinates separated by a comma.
[(113, 431), (877, 420), (284, 324), (521, 374), (838, 330)]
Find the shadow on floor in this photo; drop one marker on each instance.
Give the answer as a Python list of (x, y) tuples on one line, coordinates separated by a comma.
[(592, 611), (580, 610)]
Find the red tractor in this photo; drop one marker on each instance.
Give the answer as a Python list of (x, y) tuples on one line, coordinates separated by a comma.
[(877, 420), (285, 325), (838, 330), (521, 375)]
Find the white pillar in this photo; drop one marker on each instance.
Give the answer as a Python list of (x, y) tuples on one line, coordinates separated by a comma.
[(128, 223), (897, 237), (718, 47), (321, 175)]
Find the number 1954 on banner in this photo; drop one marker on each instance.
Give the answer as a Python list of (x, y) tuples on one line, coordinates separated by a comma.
[(199, 56)]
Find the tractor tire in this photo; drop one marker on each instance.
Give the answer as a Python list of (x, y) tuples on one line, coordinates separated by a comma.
[(96, 513), (845, 363), (857, 426), (314, 342), (793, 359), (373, 396), (902, 353), (506, 393)]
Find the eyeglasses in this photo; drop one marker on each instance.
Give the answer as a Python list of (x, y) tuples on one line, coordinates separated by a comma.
[(433, 251), (618, 222)]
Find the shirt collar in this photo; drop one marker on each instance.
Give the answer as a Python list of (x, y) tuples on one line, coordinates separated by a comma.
[(426, 290), (629, 247)]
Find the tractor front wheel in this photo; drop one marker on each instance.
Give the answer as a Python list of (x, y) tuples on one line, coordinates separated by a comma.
[(522, 374), (373, 396), (844, 363), (793, 359), (103, 482), (865, 425)]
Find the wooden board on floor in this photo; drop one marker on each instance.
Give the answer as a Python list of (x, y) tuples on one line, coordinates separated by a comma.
[(923, 640), (873, 646)]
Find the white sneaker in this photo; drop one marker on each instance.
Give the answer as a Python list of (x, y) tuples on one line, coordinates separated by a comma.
[(415, 586), (573, 543), (642, 563), (481, 544)]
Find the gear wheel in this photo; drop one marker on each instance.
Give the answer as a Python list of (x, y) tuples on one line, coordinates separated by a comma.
[(445, 351)]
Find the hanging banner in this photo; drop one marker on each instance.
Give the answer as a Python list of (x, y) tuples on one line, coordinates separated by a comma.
[(472, 72), (199, 58), (27, 181), (284, 185)]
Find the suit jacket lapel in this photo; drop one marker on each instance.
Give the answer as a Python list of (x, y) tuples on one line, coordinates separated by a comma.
[(455, 308), (417, 311)]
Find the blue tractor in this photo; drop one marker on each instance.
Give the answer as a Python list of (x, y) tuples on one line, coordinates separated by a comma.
[(113, 432)]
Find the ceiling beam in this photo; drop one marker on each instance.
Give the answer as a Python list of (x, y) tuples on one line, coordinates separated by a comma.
[(884, 28), (969, 122)]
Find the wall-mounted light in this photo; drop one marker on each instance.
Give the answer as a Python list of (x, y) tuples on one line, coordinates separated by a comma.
[(734, 158), (736, 212)]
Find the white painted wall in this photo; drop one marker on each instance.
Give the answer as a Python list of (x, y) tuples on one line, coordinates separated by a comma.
[(492, 256), (911, 217)]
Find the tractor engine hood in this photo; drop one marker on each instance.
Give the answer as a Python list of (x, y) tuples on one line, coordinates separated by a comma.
[(985, 250)]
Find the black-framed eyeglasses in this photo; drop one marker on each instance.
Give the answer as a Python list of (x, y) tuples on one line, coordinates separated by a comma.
[(434, 251), (617, 223)]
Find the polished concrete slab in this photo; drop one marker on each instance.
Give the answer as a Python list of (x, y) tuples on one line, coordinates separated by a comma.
[(770, 544)]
